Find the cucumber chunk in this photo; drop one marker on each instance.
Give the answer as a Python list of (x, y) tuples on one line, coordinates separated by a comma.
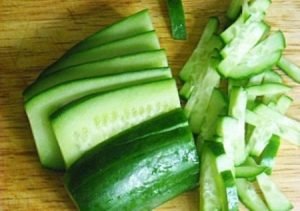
[(78, 128), (116, 65), (129, 172), (40, 107), (275, 199), (142, 42)]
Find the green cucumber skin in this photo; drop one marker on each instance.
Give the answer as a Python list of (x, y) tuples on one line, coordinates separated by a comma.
[(126, 175), (116, 65), (145, 41)]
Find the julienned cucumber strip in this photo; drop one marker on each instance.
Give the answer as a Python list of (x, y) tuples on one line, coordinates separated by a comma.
[(192, 64), (254, 62), (197, 76), (271, 77), (146, 41), (234, 9), (249, 196), (197, 104), (132, 25), (164, 160), (120, 64), (117, 65), (41, 106), (217, 185), (177, 19), (247, 171), (237, 109), (79, 128), (269, 154), (216, 107), (254, 12), (273, 196), (291, 69), (268, 89), (261, 135)]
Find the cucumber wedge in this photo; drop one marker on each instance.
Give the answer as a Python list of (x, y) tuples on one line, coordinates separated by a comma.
[(133, 172), (132, 25), (116, 65), (146, 41), (78, 128), (40, 107)]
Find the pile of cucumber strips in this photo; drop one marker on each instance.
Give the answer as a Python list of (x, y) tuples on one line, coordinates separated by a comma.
[(108, 113)]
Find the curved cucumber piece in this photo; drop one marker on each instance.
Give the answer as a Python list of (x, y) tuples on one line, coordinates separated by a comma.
[(291, 69), (247, 171), (127, 63), (40, 107), (129, 172), (143, 42), (85, 123), (132, 25), (268, 89)]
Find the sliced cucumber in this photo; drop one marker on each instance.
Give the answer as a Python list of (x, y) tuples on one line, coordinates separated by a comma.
[(254, 62), (127, 63), (215, 108), (40, 107), (248, 172), (237, 109), (268, 156), (177, 19), (234, 9), (138, 43), (132, 25), (198, 102), (192, 64), (133, 172), (291, 69), (78, 128), (249, 196), (268, 89), (275, 199)]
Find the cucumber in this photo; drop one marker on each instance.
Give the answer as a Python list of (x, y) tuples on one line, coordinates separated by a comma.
[(234, 9), (217, 185), (249, 196), (268, 89), (40, 107), (269, 154), (132, 25), (127, 63), (191, 65), (254, 62), (291, 69), (138, 43), (249, 171), (275, 199), (133, 172), (79, 128), (177, 19)]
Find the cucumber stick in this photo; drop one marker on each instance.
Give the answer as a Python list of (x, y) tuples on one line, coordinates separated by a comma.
[(40, 107), (79, 128), (249, 196), (234, 9), (217, 185), (275, 200), (117, 65), (133, 172), (291, 69), (142, 42)]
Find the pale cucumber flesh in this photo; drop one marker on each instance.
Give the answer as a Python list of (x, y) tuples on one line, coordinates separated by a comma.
[(40, 107), (84, 124)]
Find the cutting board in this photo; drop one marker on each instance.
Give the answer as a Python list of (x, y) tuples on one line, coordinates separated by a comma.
[(33, 34)]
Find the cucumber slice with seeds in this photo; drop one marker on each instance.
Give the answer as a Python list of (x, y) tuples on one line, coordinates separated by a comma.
[(40, 107), (117, 65), (78, 128)]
